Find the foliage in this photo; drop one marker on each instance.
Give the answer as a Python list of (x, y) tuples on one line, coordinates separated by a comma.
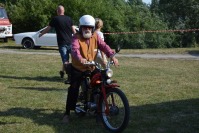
[(29, 15), (118, 16), (180, 15)]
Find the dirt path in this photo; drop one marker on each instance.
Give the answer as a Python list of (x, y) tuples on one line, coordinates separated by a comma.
[(147, 56)]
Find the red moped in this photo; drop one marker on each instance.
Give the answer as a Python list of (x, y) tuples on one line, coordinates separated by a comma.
[(101, 95)]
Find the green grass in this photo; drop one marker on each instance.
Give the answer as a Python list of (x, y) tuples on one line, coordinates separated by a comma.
[(163, 95)]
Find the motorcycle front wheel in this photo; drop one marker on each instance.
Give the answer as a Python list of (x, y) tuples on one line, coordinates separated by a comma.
[(117, 119)]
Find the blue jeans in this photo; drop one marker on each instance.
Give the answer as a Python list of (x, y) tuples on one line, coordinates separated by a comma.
[(64, 51)]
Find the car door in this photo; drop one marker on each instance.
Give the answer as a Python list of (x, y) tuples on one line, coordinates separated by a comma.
[(48, 39)]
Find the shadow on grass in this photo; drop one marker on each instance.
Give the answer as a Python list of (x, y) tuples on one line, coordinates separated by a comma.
[(53, 119), (19, 47), (38, 116), (39, 78), (11, 47), (194, 52), (40, 88), (47, 48), (169, 117)]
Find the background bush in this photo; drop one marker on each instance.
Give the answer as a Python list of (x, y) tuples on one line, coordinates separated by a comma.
[(118, 16)]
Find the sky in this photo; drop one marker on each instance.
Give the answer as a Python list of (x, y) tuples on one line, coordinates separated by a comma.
[(147, 1)]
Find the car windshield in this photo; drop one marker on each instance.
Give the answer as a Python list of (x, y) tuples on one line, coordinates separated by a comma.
[(52, 30), (3, 13)]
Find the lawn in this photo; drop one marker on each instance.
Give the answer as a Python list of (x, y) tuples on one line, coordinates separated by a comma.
[(163, 94)]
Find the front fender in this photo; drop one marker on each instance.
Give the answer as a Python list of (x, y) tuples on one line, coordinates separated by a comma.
[(113, 85)]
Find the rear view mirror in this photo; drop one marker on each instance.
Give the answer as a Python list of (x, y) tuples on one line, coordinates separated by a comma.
[(119, 45), (118, 48)]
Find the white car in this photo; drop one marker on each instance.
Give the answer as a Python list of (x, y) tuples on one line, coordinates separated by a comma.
[(31, 40)]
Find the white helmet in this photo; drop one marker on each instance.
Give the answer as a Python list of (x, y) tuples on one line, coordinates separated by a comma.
[(87, 20)]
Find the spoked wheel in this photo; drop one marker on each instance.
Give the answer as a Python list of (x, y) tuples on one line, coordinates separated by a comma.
[(116, 120)]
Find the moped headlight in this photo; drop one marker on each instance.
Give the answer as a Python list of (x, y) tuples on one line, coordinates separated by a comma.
[(109, 73)]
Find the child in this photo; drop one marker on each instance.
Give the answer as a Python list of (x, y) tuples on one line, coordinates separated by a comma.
[(101, 57)]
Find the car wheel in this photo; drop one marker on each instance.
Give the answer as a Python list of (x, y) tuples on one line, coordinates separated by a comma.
[(28, 43)]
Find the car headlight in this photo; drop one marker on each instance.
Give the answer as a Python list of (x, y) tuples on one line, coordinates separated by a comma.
[(109, 73)]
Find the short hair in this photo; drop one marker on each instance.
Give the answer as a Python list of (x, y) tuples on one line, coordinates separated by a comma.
[(60, 9)]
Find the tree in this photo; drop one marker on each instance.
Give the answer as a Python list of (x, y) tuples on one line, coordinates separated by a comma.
[(28, 15), (118, 16), (181, 15)]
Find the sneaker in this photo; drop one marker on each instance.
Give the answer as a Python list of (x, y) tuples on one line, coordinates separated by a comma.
[(65, 119), (61, 74)]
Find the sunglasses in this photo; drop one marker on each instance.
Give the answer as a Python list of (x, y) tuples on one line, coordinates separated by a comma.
[(87, 27)]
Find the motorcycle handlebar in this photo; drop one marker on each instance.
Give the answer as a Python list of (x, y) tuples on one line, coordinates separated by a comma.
[(93, 63)]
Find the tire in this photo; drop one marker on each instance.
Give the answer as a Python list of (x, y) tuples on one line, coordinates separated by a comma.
[(118, 118), (28, 43)]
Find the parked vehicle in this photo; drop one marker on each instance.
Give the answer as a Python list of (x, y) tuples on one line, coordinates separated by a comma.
[(30, 40), (102, 96), (5, 25)]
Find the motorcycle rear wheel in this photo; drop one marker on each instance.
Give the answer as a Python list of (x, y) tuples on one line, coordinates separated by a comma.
[(118, 117)]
